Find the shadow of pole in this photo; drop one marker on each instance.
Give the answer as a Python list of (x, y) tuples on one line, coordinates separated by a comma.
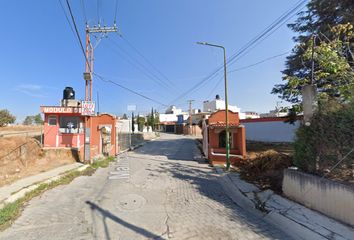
[(107, 214)]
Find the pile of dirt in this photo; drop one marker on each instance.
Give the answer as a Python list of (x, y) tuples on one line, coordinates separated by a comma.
[(22, 157), (265, 169)]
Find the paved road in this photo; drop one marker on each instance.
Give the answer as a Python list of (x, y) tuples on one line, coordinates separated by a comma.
[(156, 192)]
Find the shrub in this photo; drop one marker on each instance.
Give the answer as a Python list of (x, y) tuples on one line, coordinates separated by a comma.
[(328, 139)]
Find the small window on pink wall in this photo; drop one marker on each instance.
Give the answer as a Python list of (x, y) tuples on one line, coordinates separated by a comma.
[(52, 120)]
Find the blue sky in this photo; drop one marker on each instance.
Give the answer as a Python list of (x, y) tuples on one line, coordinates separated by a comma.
[(40, 55)]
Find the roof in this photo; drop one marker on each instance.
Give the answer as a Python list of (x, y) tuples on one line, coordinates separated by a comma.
[(223, 124)]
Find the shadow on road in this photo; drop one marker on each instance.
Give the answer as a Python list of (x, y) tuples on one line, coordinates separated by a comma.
[(107, 214), (202, 178)]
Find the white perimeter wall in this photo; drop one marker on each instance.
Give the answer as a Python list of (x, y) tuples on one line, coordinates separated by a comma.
[(329, 197), (272, 131)]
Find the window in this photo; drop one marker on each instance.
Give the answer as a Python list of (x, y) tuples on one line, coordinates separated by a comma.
[(69, 122), (222, 140), (52, 120)]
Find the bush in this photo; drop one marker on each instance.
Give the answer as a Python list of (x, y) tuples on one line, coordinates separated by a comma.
[(6, 117), (328, 139)]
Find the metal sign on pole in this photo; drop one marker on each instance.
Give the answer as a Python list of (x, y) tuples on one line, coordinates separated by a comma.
[(87, 108), (131, 108)]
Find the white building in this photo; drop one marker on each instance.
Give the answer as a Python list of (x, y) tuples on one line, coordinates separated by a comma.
[(219, 104), (251, 115), (274, 113), (170, 114)]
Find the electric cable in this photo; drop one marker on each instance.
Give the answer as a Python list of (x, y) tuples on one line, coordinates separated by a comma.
[(143, 69), (146, 59), (257, 39), (84, 10), (128, 89), (77, 33)]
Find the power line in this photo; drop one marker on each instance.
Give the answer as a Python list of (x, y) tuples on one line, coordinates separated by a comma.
[(243, 68), (257, 63), (128, 89), (77, 33), (256, 40), (136, 64), (98, 11), (84, 10), (143, 69), (67, 18), (146, 59), (216, 85), (115, 13), (276, 24)]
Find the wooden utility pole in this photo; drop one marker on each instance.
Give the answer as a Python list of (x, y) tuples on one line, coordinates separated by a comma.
[(190, 117)]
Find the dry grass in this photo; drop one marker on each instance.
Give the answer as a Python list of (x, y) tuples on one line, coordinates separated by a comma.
[(20, 128)]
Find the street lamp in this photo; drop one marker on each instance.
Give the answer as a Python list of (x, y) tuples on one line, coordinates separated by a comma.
[(226, 104)]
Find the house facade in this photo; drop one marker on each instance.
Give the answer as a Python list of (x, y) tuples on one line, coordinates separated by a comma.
[(64, 127), (214, 134)]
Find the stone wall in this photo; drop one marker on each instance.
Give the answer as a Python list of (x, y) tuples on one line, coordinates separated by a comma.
[(331, 198)]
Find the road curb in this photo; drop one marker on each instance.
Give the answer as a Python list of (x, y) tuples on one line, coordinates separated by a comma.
[(21, 193), (284, 221)]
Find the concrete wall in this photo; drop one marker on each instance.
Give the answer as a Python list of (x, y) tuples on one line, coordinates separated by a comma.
[(269, 131), (331, 198)]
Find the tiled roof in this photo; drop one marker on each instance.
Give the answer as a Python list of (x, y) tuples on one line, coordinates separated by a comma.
[(223, 124)]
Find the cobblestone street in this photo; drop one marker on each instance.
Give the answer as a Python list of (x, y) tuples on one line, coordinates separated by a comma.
[(158, 191)]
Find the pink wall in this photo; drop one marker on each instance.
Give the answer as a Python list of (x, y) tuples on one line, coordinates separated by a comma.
[(53, 138)]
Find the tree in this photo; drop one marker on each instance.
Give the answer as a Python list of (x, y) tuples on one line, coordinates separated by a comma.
[(328, 139), (28, 120), (38, 119), (6, 117), (35, 119), (124, 116), (151, 119), (141, 123), (332, 23)]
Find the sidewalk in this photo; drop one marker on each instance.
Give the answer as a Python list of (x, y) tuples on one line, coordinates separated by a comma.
[(297, 220), (7, 191)]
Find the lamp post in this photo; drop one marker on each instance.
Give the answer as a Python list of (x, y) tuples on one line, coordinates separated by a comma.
[(226, 105)]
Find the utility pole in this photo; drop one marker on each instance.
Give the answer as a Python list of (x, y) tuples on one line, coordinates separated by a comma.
[(88, 79), (190, 117), (89, 55)]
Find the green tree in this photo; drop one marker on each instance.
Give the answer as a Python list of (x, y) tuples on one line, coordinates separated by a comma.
[(38, 119), (141, 123), (6, 117), (125, 116), (28, 120), (332, 23), (151, 119)]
